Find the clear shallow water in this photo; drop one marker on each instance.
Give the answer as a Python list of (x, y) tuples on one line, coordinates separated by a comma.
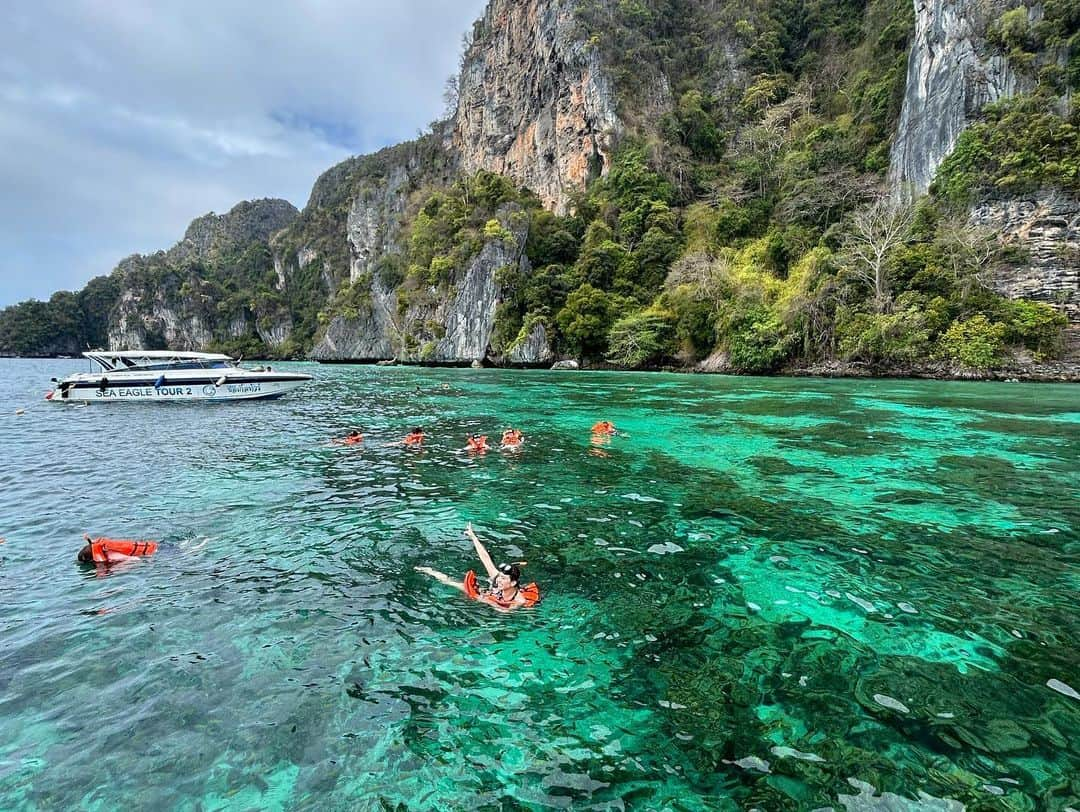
[(772, 593)]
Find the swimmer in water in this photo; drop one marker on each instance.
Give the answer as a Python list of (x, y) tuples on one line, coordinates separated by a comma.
[(512, 439), (477, 443), (113, 551), (505, 592), (352, 438), (414, 439), (604, 427)]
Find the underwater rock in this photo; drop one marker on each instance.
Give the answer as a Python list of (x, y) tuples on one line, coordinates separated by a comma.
[(753, 763), (1062, 688), (888, 702), (781, 751), (996, 736), (869, 801)]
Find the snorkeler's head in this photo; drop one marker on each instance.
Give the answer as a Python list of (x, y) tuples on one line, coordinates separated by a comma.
[(511, 571), (86, 555), (417, 430)]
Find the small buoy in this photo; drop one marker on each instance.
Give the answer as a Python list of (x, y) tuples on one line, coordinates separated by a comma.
[(20, 411)]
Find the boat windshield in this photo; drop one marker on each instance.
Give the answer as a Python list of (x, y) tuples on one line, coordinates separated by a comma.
[(111, 362)]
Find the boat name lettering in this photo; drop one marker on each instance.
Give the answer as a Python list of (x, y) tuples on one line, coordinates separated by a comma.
[(144, 392), (240, 388)]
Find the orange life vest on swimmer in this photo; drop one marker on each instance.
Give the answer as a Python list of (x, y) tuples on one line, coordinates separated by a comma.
[(530, 592), (353, 439), (102, 547), (414, 439), (604, 427), (478, 443)]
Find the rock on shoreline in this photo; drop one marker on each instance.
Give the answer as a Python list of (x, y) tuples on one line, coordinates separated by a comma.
[(1049, 372)]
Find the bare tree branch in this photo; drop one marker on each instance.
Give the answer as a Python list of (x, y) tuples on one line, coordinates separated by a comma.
[(875, 232)]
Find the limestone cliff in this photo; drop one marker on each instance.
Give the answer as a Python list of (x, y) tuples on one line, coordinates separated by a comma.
[(534, 104), (755, 131), (215, 234), (534, 100), (352, 219), (952, 74), (174, 298), (429, 324), (1046, 227)]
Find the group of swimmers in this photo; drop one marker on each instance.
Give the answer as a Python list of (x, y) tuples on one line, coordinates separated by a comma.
[(512, 440), (504, 591)]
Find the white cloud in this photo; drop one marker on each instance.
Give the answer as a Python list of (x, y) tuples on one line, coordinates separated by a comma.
[(121, 122)]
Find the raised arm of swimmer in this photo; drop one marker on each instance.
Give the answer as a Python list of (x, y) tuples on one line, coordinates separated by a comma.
[(485, 559)]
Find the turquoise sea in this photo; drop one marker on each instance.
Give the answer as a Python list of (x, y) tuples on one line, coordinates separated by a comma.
[(767, 593)]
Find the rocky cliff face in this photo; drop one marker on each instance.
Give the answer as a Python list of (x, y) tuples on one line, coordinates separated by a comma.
[(952, 74), (152, 321), (1046, 226), (246, 222), (430, 325), (534, 101), (535, 105), (162, 302), (372, 336)]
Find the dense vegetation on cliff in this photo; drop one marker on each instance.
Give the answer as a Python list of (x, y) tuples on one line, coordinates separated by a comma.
[(750, 222), (216, 289), (742, 218)]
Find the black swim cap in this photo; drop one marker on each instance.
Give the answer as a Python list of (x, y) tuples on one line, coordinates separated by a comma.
[(513, 570)]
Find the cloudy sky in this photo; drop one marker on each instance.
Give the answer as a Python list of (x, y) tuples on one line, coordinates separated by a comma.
[(123, 120)]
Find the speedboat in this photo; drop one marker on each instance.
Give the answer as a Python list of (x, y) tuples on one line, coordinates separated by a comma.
[(165, 375)]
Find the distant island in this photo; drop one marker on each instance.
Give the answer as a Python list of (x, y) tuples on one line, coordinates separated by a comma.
[(684, 185)]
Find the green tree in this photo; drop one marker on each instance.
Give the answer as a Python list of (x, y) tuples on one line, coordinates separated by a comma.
[(641, 338), (586, 318), (976, 342)]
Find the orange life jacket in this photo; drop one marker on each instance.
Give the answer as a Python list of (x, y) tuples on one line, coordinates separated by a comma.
[(478, 443), (530, 592), (414, 439), (603, 427), (353, 440), (101, 548)]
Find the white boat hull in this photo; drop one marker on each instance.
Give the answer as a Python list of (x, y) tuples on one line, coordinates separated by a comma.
[(176, 387)]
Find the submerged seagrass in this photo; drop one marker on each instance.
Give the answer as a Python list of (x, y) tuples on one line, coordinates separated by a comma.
[(773, 593)]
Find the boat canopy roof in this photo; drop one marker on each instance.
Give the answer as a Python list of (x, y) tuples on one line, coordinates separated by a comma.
[(131, 359)]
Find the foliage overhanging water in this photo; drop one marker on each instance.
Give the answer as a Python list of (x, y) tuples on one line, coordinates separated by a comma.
[(770, 592)]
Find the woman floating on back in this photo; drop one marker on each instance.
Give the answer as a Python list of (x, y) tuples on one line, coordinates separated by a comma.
[(505, 592)]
